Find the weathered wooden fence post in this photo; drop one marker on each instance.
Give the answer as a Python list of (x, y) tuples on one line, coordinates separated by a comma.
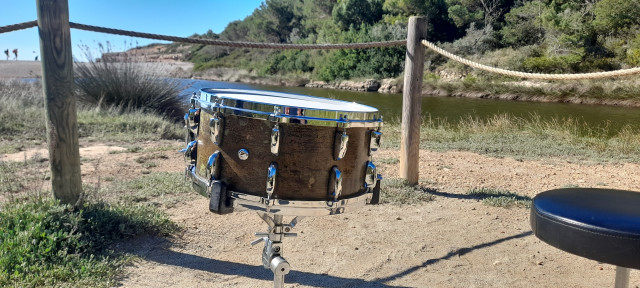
[(412, 100), (60, 104)]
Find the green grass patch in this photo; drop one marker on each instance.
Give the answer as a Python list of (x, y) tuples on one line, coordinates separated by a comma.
[(161, 189), (398, 191), (530, 138), (43, 243), (499, 197)]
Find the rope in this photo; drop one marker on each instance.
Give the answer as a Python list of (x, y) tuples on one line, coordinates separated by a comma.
[(233, 43), (19, 26), (596, 75)]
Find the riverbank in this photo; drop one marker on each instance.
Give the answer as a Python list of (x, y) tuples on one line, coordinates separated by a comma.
[(611, 92)]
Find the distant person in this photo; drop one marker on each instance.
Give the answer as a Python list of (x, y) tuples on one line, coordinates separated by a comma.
[(36, 58), (6, 52), (15, 52)]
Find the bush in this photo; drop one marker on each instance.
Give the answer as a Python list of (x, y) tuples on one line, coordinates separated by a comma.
[(118, 81), (44, 243)]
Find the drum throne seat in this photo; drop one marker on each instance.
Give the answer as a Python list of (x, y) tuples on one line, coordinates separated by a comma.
[(598, 224)]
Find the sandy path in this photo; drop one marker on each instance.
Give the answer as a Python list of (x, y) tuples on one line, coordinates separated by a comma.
[(452, 241)]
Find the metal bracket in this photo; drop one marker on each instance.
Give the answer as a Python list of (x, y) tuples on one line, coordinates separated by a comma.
[(370, 177), (216, 125), (275, 139), (335, 186), (375, 141), (340, 150), (190, 153), (212, 166), (271, 179), (272, 252)]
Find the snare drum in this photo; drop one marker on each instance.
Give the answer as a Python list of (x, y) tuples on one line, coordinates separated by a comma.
[(281, 152)]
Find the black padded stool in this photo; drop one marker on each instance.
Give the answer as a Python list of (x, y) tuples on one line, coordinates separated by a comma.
[(599, 224)]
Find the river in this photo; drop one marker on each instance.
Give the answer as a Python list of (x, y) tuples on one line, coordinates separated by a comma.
[(453, 109)]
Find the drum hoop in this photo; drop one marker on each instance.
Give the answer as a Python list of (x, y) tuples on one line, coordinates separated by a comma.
[(287, 207), (274, 112)]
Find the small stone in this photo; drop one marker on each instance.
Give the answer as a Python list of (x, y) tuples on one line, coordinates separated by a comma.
[(496, 262)]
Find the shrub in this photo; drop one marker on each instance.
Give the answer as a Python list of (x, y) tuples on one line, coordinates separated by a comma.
[(118, 81), (43, 243)]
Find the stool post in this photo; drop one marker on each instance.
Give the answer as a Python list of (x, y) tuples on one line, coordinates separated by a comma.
[(622, 277)]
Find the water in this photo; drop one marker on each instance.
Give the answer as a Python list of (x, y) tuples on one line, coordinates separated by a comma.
[(453, 109)]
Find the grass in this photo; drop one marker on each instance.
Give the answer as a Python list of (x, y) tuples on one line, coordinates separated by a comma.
[(121, 83), (159, 189), (529, 138), (22, 125), (499, 197), (44, 243), (398, 191)]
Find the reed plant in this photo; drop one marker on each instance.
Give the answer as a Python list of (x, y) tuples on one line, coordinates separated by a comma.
[(528, 138), (120, 81)]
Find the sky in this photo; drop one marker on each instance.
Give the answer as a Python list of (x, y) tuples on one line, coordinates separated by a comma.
[(175, 18)]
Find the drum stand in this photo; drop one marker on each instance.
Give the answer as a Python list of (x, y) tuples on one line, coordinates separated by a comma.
[(272, 253)]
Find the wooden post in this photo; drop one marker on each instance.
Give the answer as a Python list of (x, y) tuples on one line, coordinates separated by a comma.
[(60, 105), (412, 100)]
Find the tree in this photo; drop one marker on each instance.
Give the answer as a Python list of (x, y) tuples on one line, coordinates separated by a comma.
[(349, 13), (615, 17), (522, 25)]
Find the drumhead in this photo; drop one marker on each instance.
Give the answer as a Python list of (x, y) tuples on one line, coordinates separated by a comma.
[(286, 106)]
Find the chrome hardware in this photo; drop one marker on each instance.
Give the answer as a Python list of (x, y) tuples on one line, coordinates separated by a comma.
[(193, 120), (193, 100), (190, 152), (271, 179), (213, 166), (267, 105), (376, 141), (243, 202), (370, 177), (216, 125), (275, 140), (243, 154), (341, 145), (335, 186)]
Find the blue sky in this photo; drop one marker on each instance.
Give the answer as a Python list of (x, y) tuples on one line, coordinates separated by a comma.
[(176, 18)]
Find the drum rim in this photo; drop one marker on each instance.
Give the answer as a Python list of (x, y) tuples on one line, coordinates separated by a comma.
[(274, 112)]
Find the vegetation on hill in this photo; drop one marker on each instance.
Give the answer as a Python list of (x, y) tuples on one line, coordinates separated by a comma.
[(544, 36)]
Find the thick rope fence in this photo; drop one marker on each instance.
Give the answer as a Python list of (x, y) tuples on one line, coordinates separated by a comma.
[(580, 76), (240, 44)]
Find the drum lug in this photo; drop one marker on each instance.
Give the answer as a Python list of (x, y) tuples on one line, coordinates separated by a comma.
[(375, 142), (190, 153), (271, 179), (342, 139), (192, 120), (275, 139), (213, 165), (216, 125), (375, 197), (370, 177), (335, 186)]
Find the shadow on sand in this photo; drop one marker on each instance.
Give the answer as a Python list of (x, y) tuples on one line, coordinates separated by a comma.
[(164, 255)]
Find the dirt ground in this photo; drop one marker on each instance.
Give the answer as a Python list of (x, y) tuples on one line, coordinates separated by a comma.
[(451, 241)]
